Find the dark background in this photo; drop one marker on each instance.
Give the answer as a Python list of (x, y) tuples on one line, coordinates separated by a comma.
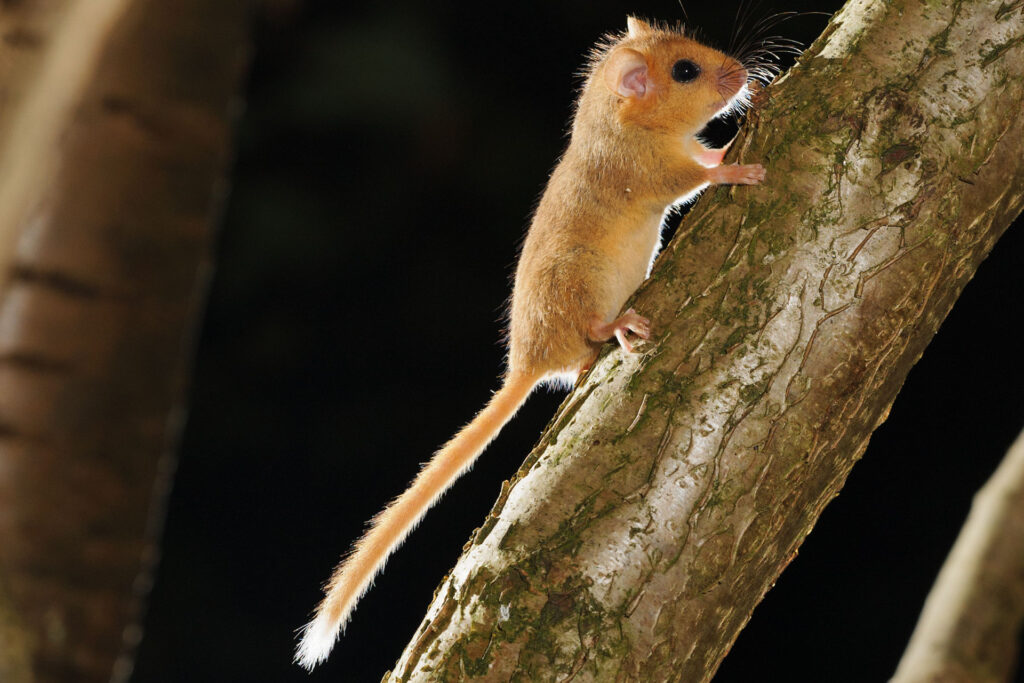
[(387, 163)]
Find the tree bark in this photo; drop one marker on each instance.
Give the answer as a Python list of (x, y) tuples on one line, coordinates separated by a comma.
[(972, 618), (115, 129), (673, 486)]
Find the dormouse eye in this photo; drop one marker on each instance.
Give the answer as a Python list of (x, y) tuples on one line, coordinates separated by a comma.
[(685, 71)]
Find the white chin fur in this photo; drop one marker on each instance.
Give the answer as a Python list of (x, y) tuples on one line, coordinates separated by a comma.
[(318, 637)]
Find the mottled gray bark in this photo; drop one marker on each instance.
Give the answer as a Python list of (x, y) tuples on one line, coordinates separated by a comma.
[(114, 130), (673, 486), (972, 618)]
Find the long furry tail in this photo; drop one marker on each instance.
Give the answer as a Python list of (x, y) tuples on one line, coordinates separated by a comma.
[(389, 528)]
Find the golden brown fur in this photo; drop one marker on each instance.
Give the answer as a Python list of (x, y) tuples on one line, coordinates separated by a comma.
[(598, 222), (590, 244)]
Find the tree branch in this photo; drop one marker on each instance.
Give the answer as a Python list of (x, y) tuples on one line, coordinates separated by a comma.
[(114, 146), (674, 486), (15, 664), (971, 620)]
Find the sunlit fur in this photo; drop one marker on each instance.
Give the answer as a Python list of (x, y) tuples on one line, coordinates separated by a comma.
[(589, 247), (598, 223), (388, 529)]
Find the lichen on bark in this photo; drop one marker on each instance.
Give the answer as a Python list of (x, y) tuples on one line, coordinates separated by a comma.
[(674, 485)]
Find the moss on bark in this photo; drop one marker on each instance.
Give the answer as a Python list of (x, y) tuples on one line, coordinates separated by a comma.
[(675, 485)]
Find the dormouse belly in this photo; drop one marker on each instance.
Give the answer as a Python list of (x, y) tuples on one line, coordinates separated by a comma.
[(632, 263)]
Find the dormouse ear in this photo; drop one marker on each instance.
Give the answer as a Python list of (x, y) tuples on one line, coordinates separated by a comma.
[(637, 27), (625, 73)]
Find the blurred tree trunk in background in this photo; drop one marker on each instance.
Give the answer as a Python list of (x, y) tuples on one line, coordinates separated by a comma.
[(114, 137), (675, 485), (970, 625)]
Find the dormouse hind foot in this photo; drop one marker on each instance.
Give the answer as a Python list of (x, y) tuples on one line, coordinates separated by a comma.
[(630, 321), (736, 174)]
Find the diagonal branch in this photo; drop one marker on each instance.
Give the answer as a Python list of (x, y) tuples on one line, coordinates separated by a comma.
[(674, 486), (971, 620)]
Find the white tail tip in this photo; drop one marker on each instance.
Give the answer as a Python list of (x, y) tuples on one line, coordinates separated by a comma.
[(318, 637)]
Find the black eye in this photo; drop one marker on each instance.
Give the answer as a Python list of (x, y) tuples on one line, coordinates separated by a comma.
[(685, 71)]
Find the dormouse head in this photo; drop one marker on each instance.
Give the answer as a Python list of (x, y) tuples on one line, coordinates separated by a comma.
[(663, 80)]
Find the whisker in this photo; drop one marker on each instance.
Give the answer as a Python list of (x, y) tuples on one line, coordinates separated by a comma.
[(744, 13), (686, 17)]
